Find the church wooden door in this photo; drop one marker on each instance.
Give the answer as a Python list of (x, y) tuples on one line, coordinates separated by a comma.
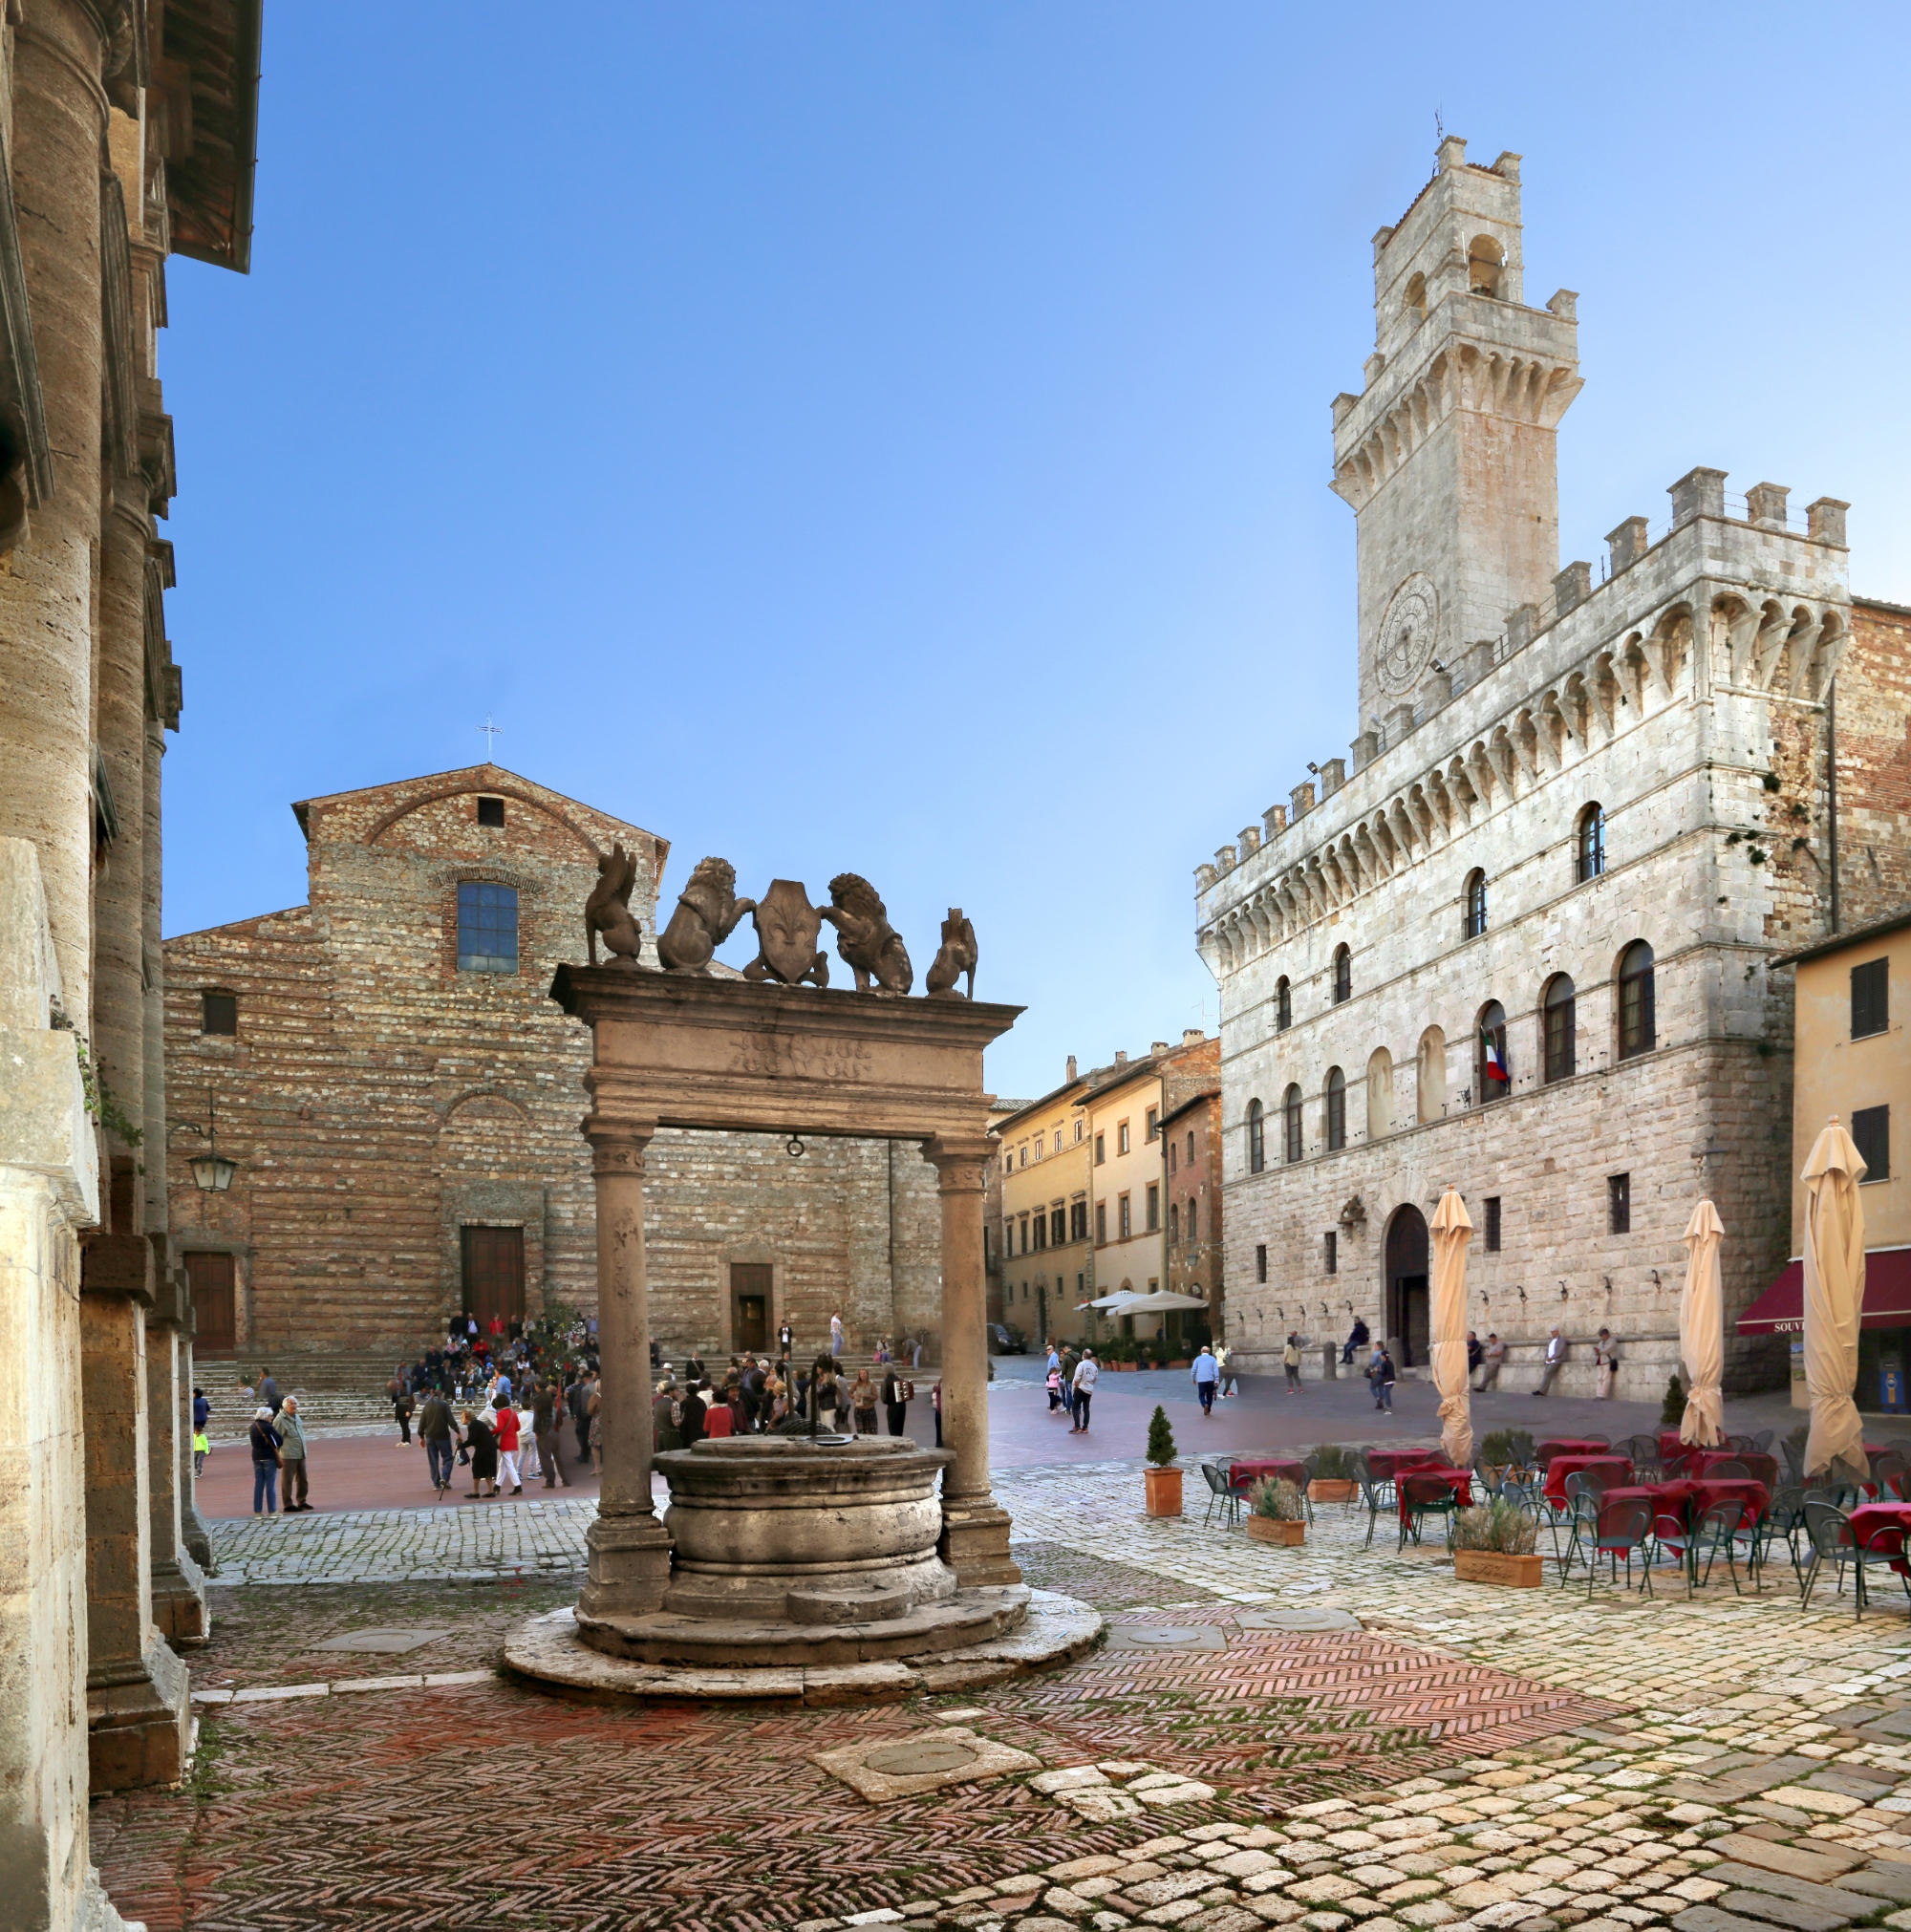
[(213, 1302), (494, 1274), (750, 1306)]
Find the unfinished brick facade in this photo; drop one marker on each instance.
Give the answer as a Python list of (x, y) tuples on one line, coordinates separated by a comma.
[(381, 1102)]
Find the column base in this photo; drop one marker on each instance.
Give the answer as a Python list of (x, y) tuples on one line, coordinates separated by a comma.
[(975, 1543), (630, 1566), (197, 1541), (178, 1602), (139, 1725), (94, 1911)]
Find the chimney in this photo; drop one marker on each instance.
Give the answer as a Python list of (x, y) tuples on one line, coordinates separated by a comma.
[(1192, 1035), (1071, 1070), (1121, 1058), (1158, 1046)]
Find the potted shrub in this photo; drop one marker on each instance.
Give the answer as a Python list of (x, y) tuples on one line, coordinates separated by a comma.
[(1333, 1475), (1672, 1410), (1494, 1543), (1162, 1477), (1278, 1515)]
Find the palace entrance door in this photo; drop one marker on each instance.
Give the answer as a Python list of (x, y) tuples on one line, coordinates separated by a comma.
[(1407, 1307)]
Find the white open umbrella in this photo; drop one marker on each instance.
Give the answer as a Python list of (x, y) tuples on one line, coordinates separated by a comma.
[(1701, 1330), (1833, 1301), (1452, 1229)]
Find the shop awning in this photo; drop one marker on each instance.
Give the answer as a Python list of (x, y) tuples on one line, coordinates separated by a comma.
[(1887, 1296)]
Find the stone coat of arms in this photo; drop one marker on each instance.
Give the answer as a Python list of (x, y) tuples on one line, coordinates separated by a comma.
[(787, 926)]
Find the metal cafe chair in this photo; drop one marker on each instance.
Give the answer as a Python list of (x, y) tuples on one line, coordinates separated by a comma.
[(1221, 1491), (1833, 1542), (1424, 1497), (1732, 1467), (1618, 1530), (1370, 1494)]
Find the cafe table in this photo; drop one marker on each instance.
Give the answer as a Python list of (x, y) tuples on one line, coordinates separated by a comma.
[(1260, 1469), (1616, 1469), (1573, 1445), (1459, 1481), (1868, 1518), (1388, 1464)]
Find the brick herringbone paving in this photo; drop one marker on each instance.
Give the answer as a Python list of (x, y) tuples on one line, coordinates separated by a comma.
[(458, 1807)]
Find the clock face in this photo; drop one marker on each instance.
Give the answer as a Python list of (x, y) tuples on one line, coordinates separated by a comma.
[(1406, 636)]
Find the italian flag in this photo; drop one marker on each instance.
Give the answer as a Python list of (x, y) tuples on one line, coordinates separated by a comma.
[(1494, 1064)]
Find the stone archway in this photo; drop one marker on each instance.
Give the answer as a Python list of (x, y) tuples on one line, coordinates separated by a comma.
[(1406, 1299)]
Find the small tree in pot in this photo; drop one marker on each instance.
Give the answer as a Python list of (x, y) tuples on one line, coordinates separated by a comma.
[(1278, 1515), (1162, 1477)]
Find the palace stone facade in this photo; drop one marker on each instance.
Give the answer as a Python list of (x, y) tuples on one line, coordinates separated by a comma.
[(1539, 785), (382, 1104)]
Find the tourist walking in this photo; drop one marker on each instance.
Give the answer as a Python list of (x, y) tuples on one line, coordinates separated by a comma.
[(1388, 1377), (201, 1449), (1555, 1354), (1205, 1373), (666, 1418), (1290, 1360), (936, 1409), (264, 1464), (268, 1390), (1374, 1363), (290, 1433), (483, 1446), (896, 1393), (1224, 1357), (835, 1334), (202, 1409), (1083, 1385), (438, 1434), (402, 1408), (718, 1420), (544, 1433), (505, 1425), (863, 1403)]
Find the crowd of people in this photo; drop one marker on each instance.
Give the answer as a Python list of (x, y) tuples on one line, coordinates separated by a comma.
[(756, 1394)]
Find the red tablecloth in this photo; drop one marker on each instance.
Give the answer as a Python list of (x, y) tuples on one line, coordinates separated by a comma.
[(1571, 1445), (1687, 1501), (1459, 1481), (1870, 1517), (1616, 1468), (1253, 1468), (1695, 1462), (1387, 1464)]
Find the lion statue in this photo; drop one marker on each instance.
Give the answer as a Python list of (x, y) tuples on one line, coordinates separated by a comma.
[(957, 957), (707, 913), (608, 908), (864, 939)]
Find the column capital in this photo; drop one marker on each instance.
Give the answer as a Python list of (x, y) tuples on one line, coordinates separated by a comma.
[(618, 1146), (959, 1159)]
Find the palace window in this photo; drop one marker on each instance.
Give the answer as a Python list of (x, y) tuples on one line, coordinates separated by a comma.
[(1291, 1108), (219, 1013), (1256, 1138), (1589, 847), (1344, 973), (1492, 1072), (1122, 1137), (1191, 1146), (1619, 1203), (1041, 1232), (1193, 1217), (1492, 1224), (1174, 1224), (490, 811), (1101, 1148), (487, 928), (1870, 999), (1283, 1005), (1123, 1217), (1561, 1010), (1330, 1253), (1077, 1220), (1871, 1135), (1151, 1123), (1058, 1226), (1101, 1224), (1153, 1207), (1260, 1261), (1337, 1108), (1474, 906), (1637, 1027)]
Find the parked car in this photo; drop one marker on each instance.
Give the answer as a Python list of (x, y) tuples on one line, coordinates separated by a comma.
[(1006, 1338)]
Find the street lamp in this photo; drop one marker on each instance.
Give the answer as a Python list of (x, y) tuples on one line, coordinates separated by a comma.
[(211, 1172)]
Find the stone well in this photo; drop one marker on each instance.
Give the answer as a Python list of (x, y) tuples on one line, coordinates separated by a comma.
[(805, 1567)]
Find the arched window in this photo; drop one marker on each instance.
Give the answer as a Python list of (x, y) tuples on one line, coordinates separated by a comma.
[(1283, 1005), (1474, 906), (1558, 1006), (1485, 259), (1291, 1111), (1344, 973), (1589, 847), (1379, 1093), (1429, 1075), (1495, 1077), (1256, 1138), (1337, 1108), (1416, 304), (1638, 1027)]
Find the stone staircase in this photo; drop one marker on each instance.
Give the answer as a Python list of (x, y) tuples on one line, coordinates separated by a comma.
[(332, 1388)]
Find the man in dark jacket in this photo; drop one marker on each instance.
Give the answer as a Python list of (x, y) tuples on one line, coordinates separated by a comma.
[(1356, 1341), (545, 1434), (438, 1434)]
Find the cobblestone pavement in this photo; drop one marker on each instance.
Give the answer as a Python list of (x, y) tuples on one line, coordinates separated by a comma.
[(1466, 1754)]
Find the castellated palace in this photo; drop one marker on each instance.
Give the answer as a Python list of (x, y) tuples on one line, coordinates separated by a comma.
[(1521, 941)]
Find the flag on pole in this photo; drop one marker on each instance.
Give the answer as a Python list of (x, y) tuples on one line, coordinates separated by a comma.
[(1496, 1059)]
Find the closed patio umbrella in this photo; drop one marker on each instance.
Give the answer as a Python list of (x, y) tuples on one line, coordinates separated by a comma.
[(1451, 1229), (1833, 1301), (1701, 1330)]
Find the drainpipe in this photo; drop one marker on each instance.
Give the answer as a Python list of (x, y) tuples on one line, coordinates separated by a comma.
[(1832, 788)]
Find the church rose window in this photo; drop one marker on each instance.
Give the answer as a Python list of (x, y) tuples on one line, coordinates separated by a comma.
[(487, 928)]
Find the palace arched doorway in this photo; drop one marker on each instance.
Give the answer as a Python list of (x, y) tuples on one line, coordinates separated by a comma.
[(1407, 1308)]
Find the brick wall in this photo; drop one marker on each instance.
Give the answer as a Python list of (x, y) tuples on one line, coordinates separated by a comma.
[(377, 1099)]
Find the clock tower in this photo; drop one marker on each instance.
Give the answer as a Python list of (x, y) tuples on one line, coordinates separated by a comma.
[(1449, 454)]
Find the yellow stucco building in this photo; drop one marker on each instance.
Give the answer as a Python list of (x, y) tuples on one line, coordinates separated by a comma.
[(1041, 1237)]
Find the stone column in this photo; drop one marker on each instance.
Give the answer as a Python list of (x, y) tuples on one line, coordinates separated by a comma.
[(179, 1605), (46, 615), (975, 1526), (629, 1548)]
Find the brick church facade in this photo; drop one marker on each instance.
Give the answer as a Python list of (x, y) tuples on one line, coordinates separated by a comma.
[(1523, 941), (403, 1098)]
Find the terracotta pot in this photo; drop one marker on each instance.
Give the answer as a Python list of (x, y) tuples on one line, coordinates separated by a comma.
[(1492, 1566), (1164, 1492), (1272, 1530), (1333, 1489)]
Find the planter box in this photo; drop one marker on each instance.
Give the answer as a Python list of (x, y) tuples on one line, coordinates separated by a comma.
[(1333, 1489), (1164, 1492), (1270, 1530), (1490, 1566)]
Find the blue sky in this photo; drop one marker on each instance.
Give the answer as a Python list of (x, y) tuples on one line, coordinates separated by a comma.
[(894, 437)]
